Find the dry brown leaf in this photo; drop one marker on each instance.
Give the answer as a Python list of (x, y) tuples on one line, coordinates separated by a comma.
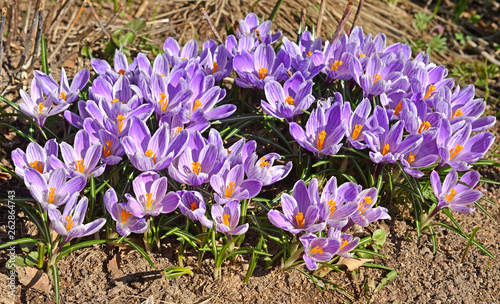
[(5, 176), (34, 278), (352, 263)]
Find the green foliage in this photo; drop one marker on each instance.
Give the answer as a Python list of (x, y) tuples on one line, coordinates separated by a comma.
[(437, 44), (477, 72), (422, 20), (460, 6), (462, 39)]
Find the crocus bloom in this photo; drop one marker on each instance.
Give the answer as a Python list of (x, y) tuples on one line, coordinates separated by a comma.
[(299, 211), (454, 195), (324, 131), (217, 61), (155, 152), (64, 92), (36, 106), (365, 213), (252, 26), (264, 170), (229, 185), (192, 204), (227, 217), (35, 157), (126, 222), (151, 197), (174, 53), (301, 55), (421, 157), (389, 145), (264, 65), (82, 159), (120, 67), (318, 249), (121, 91), (69, 224), (356, 123), (55, 191), (112, 149), (338, 204), (347, 242), (289, 101)]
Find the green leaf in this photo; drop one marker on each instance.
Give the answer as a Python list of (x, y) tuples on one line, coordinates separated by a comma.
[(67, 250), (471, 238), (173, 272), (275, 9), (20, 241), (55, 275), (136, 24), (379, 236), (126, 39), (43, 56), (391, 276)]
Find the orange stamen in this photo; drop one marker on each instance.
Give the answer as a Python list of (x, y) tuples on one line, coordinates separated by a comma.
[(386, 149), (335, 65), (320, 140), (357, 131), (80, 167), (411, 158), (424, 126), (299, 218), (431, 89), (398, 108), (309, 54), (37, 165), (52, 195), (163, 102), (196, 167), (149, 153), (367, 202), (70, 223), (124, 215), (450, 195), (332, 205), (120, 119), (40, 107), (193, 206), (121, 72), (216, 67), (108, 150), (262, 73), (63, 95), (362, 55), (225, 219), (317, 250), (457, 113), (289, 100), (229, 189), (455, 151), (344, 243), (197, 104), (149, 201), (263, 162), (177, 130), (376, 78)]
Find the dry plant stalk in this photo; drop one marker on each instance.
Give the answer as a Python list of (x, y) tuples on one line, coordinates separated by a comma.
[(27, 46), (2, 25), (343, 21), (356, 17), (61, 42), (320, 18), (205, 14)]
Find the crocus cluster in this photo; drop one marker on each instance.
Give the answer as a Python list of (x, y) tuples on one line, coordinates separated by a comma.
[(305, 212)]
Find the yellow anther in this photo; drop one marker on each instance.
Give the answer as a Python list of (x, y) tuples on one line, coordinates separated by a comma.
[(69, 225), (431, 89), (63, 95), (52, 195), (121, 72), (108, 149), (193, 206), (149, 200), (197, 104), (332, 205), (163, 102), (398, 108), (196, 167), (40, 107), (450, 195), (229, 189), (320, 140), (124, 215), (424, 126), (362, 55), (299, 218), (149, 153), (263, 162), (344, 243), (335, 65), (80, 167), (37, 165), (357, 131), (386, 149), (120, 119), (317, 250), (367, 202), (309, 54), (376, 78), (225, 219), (411, 158), (457, 113), (262, 73), (216, 67), (455, 151), (289, 100), (177, 130)]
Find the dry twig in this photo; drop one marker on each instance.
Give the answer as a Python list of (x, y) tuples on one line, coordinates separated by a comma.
[(205, 14), (2, 24), (27, 46), (320, 18), (61, 42), (98, 20), (356, 17), (343, 21)]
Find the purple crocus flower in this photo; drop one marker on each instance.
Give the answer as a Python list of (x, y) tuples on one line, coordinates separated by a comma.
[(347, 242), (192, 204), (356, 124), (335, 61), (289, 101), (217, 61), (174, 53), (155, 152), (252, 26), (418, 120), (318, 249), (112, 149), (226, 219), (421, 157), (82, 159), (35, 157), (229, 185), (64, 92), (299, 211), (120, 67), (338, 204), (55, 191), (302, 55), (37, 107), (389, 145), (264, 65), (454, 195), (151, 197), (246, 43), (264, 170), (126, 222), (324, 131), (365, 213), (69, 224), (121, 91)]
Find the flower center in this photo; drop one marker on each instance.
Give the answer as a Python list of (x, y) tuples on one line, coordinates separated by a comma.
[(424, 126), (317, 250), (362, 55), (149, 200), (69, 225), (149, 153), (216, 67), (63, 95), (108, 150), (335, 65), (411, 158), (320, 140), (309, 54), (40, 107), (163, 102), (196, 167), (450, 195), (357, 131), (193, 206), (263, 162), (225, 219), (455, 151), (229, 189), (457, 113), (117, 100), (386, 149), (289, 100), (299, 218), (262, 73), (120, 119), (367, 202), (431, 89), (376, 78), (52, 195), (121, 72), (332, 205), (37, 165), (398, 108), (197, 104), (79, 166), (343, 244), (177, 130), (124, 215)]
